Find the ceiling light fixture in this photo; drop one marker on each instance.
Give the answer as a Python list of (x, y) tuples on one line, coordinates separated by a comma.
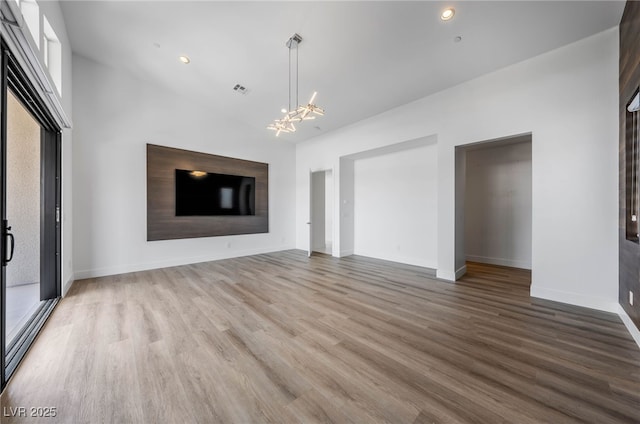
[(300, 112), (185, 59), (447, 14)]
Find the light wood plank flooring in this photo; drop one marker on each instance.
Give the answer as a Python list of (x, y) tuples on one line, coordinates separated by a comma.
[(283, 338)]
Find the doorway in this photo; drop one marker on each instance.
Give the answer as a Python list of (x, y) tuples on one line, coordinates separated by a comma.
[(30, 192), (321, 212), (494, 203)]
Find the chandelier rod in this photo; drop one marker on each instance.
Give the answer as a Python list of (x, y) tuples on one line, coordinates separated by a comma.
[(297, 74), (293, 42), (289, 97)]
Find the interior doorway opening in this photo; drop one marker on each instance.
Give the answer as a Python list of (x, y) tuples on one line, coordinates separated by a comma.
[(321, 222), (494, 204)]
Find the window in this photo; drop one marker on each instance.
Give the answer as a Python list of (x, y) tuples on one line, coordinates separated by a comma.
[(31, 14), (52, 52)]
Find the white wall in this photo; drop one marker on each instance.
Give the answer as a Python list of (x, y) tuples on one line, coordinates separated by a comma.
[(116, 116), (567, 99), (460, 177), (497, 206), (328, 208), (343, 226), (395, 209)]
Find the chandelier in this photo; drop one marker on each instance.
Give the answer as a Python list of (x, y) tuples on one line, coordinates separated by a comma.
[(299, 113)]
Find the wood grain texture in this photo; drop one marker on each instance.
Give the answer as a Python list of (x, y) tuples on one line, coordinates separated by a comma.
[(284, 338), (162, 222), (629, 68)]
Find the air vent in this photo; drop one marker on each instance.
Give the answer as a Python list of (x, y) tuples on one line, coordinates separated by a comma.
[(240, 89)]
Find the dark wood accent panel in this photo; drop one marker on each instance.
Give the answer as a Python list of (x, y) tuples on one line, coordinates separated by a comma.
[(629, 82), (283, 338), (162, 222)]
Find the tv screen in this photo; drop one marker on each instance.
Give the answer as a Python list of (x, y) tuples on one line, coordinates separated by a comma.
[(200, 193)]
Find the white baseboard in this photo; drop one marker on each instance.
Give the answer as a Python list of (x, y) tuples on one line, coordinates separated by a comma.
[(445, 275), (451, 276), (576, 299), (500, 261), (67, 285), (635, 332), (399, 258), (123, 269)]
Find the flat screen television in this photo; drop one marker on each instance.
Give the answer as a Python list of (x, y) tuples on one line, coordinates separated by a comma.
[(200, 193)]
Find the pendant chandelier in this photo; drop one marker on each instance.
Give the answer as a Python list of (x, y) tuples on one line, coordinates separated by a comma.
[(298, 113)]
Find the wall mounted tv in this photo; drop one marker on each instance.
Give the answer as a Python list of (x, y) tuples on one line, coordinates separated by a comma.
[(200, 193)]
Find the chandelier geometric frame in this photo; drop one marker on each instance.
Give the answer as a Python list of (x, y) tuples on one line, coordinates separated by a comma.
[(307, 112)]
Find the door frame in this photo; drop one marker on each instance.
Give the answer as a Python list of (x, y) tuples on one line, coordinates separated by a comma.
[(13, 77), (460, 178), (310, 221)]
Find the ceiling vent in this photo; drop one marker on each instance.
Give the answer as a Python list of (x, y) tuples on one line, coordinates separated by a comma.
[(238, 88)]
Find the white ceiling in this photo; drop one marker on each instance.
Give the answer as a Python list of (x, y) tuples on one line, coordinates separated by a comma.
[(362, 57)]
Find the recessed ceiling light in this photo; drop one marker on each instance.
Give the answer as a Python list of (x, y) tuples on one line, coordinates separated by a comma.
[(185, 59), (284, 110), (457, 39), (447, 14)]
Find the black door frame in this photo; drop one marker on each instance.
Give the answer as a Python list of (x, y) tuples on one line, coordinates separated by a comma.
[(13, 78)]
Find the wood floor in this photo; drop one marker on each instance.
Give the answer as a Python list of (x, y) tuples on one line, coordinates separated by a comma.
[(283, 338)]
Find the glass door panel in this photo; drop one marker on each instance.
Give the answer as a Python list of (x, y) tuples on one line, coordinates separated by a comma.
[(23, 209)]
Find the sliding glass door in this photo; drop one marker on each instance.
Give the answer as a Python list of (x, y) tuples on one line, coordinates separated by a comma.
[(30, 209), (22, 273)]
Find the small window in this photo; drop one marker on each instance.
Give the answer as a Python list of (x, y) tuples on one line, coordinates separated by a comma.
[(52, 52), (632, 161), (31, 14)]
